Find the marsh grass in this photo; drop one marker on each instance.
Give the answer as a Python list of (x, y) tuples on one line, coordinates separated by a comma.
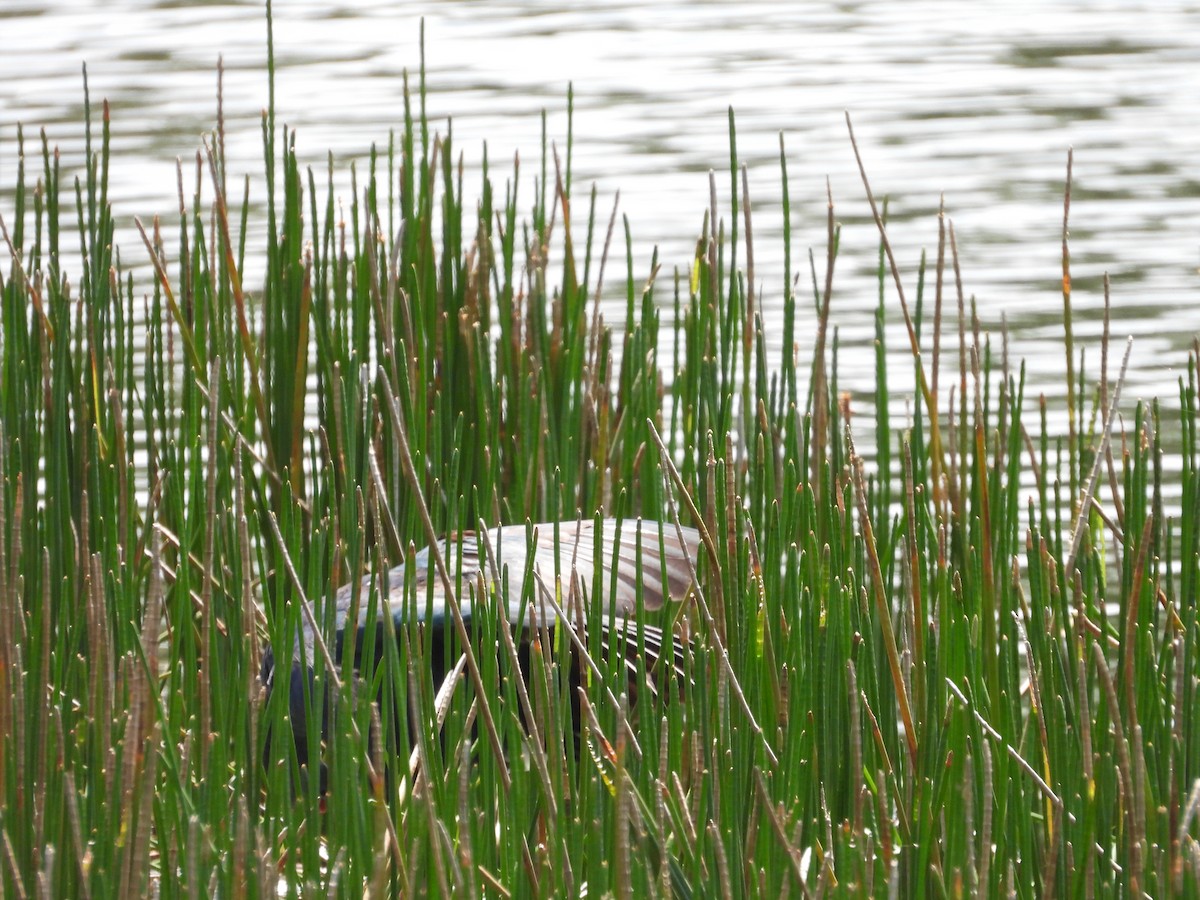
[(930, 675)]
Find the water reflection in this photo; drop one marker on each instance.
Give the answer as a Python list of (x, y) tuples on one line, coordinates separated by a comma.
[(978, 102)]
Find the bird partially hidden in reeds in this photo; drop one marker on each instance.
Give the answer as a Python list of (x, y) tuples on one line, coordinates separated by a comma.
[(538, 579)]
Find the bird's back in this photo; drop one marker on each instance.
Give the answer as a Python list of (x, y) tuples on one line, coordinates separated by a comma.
[(630, 556)]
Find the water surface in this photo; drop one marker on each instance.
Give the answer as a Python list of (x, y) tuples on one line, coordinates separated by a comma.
[(977, 102)]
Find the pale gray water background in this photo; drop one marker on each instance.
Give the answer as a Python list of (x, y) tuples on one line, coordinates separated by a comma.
[(976, 101)]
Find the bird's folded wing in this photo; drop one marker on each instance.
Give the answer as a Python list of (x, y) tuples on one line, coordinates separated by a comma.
[(627, 553)]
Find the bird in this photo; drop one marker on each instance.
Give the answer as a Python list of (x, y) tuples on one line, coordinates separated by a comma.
[(573, 564)]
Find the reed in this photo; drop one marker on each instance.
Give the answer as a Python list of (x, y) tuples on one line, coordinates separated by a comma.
[(944, 656)]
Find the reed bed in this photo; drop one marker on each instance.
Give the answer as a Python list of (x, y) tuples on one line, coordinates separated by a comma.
[(939, 657)]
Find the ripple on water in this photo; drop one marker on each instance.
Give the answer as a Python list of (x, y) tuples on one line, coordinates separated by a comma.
[(980, 106)]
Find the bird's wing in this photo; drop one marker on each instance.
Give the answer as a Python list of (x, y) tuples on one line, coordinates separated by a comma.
[(628, 555), (626, 552)]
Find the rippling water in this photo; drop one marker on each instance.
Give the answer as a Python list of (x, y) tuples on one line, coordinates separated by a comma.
[(978, 102)]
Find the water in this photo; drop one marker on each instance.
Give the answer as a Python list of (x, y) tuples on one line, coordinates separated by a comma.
[(978, 102)]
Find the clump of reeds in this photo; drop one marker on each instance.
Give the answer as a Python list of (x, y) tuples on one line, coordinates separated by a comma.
[(927, 676)]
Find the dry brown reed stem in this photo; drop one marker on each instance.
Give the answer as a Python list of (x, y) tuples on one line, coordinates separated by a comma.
[(968, 813), (35, 295), (1050, 862), (1118, 503), (572, 283), (856, 757), (306, 608), (936, 474), (984, 511), (661, 790), (249, 352), (1189, 811), (1125, 773), (622, 862), (732, 515), (934, 433), (716, 621), (715, 235), (747, 334), (1137, 745), (1100, 456), (959, 489), (1132, 604), (11, 859), (1069, 342), (887, 776), (547, 594), (1035, 682), (441, 706), (917, 600), (435, 552), (207, 628), (141, 730), (1011, 750), (1083, 700), (790, 851), (883, 612), (697, 593), (820, 400), (466, 854), (79, 847), (749, 329), (422, 749), (723, 880), (985, 843), (153, 248), (537, 744), (1177, 652), (41, 711)]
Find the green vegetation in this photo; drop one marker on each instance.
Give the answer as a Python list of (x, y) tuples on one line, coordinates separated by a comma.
[(924, 676)]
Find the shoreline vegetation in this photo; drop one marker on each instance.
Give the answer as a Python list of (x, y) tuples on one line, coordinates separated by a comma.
[(966, 667)]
